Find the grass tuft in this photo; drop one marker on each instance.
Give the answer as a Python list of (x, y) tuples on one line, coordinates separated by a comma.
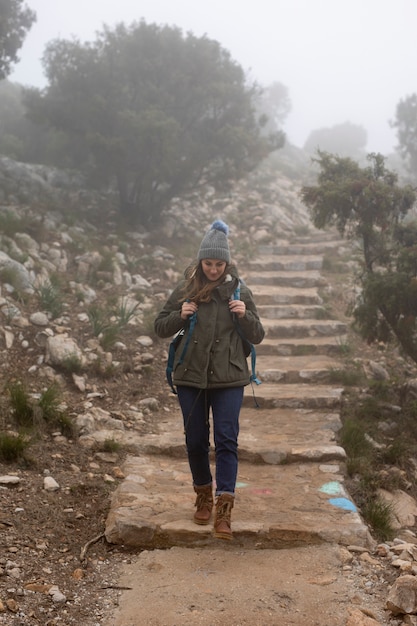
[(12, 447)]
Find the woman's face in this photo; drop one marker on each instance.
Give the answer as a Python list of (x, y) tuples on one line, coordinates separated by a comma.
[(213, 268)]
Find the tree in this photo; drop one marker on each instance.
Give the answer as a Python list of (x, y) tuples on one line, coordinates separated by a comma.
[(368, 205), (274, 104), (406, 124), (153, 110), (16, 20), (347, 140)]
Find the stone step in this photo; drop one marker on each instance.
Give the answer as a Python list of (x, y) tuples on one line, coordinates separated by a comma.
[(298, 280), (306, 248), (270, 294), (303, 346), (293, 311), (276, 436), (303, 328), (294, 263), (270, 436), (295, 369), (270, 395), (276, 506)]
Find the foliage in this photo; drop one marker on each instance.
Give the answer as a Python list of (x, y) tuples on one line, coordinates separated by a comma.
[(16, 20), (348, 140), (152, 110), (406, 124), (50, 298), (49, 404), (107, 323), (274, 104), (35, 412), (23, 140), (111, 446), (22, 409), (12, 447), (368, 205), (380, 517)]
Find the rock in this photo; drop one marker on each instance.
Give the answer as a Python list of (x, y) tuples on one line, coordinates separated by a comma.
[(56, 594), (376, 371), (18, 273), (145, 341), (404, 507), (39, 319), (402, 597), (50, 484), (358, 618), (12, 605), (59, 349), (9, 338), (9, 480), (151, 404), (79, 382)]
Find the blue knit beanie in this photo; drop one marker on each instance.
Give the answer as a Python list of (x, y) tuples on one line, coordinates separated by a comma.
[(214, 244)]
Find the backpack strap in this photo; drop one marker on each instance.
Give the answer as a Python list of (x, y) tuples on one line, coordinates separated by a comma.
[(173, 347), (251, 347)]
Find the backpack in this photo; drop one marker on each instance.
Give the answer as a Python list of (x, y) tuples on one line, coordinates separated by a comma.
[(249, 347)]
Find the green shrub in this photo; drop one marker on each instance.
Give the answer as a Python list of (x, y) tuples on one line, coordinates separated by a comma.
[(12, 448), (49, 404), (99, 320), (379, 515), (50, 298), (22, 408), (110, 445), (72, 364)]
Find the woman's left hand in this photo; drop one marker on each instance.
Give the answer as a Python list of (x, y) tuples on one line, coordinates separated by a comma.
[(238, 307)]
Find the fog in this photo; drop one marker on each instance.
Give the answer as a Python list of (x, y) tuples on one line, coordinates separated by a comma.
[(342, 61)]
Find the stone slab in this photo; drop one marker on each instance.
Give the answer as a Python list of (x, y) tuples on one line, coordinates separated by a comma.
[(276, 507)]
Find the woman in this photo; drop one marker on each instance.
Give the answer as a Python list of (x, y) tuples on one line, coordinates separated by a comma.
[(213, 371)]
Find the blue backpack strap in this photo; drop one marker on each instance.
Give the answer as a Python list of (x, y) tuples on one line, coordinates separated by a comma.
[(173, 347), (253, 378)]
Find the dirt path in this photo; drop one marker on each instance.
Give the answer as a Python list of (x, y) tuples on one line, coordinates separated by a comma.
[(313, 586)]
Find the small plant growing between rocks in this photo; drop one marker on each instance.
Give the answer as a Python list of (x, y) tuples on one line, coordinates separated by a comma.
[(35, 412), (72, 364), (12, 447), (49, 403), (21, 406), (110, 445), (50, 298), (125, 311), (348, 377), (379, 515)]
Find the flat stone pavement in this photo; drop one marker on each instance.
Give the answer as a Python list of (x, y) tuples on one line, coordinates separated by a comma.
[(290, 492)]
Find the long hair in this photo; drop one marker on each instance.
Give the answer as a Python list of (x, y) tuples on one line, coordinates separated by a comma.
[(197, 288)]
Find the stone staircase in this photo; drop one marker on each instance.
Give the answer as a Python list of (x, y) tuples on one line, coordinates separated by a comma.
[(290, 489)]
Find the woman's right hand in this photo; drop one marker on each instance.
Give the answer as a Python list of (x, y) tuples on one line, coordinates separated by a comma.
[(187, 309)]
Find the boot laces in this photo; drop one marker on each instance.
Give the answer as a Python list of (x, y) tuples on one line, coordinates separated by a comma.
[(223, 511), (204, 500)]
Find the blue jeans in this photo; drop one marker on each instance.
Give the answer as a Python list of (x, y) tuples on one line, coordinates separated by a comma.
[(225, 405)]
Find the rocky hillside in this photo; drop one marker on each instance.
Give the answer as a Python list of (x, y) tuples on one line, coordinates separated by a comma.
[(78, 295), (78, 292)]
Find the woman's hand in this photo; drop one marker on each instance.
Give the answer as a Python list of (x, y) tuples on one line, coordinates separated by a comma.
[(238, 307), (187, 309)]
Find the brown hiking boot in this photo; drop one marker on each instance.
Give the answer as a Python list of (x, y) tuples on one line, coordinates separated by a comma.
[(222, 523), (204, 504)]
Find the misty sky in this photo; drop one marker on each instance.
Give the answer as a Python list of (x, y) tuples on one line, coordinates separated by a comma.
[(342, 60)]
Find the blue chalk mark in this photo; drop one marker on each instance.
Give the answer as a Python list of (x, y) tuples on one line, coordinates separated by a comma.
[(240, 485), (343, 503), (332, 489)]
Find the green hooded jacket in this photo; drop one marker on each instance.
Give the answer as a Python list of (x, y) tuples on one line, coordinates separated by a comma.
[(215, 356)]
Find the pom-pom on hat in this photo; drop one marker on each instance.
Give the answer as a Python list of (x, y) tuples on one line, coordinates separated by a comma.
[(215, 244)]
